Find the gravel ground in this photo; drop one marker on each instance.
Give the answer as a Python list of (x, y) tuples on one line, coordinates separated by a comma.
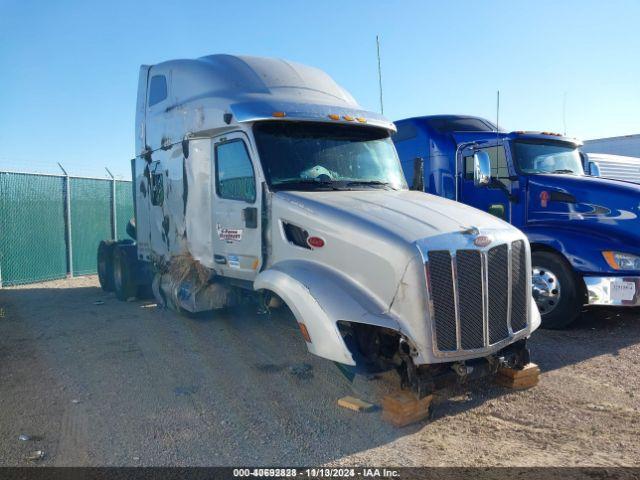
[(119, 383)]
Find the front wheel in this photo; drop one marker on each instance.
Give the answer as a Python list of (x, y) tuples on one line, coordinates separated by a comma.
[(555, 290)]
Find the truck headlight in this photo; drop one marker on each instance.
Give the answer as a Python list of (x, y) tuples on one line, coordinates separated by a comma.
[(622, 261)]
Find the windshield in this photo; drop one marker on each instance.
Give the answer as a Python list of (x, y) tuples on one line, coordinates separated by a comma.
[(544, 156), (324, 156)]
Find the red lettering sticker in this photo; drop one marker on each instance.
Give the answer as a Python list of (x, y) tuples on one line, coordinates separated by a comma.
[(229, 235)]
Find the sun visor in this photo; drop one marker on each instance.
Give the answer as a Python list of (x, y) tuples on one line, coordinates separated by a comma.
[(265, 110)]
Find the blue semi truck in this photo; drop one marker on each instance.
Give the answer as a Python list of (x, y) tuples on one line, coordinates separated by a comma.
[(584, 231)]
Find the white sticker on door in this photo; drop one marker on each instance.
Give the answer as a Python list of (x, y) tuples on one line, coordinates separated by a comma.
[(229, 235), (234, 261)]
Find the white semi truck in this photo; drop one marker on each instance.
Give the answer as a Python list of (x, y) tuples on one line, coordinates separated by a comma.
[(262, 175)]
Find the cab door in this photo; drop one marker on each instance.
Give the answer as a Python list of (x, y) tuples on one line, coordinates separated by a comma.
[(237, 206), (492, 199)]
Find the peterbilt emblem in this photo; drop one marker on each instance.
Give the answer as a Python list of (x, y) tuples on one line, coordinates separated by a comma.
[(482, 241)]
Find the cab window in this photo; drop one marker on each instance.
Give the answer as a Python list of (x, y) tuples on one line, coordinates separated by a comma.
[(499, 165), (157, 89), (235, 179)]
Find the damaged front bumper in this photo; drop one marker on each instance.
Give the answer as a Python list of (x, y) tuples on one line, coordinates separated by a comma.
[(614, 291), (427, 379)]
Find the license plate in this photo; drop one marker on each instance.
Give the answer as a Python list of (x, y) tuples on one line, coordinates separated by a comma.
[(621, 290)]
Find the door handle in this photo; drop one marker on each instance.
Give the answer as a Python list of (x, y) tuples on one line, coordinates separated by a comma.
[(250, 217)]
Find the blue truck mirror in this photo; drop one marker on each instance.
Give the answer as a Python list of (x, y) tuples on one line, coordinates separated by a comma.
[(481, 169)]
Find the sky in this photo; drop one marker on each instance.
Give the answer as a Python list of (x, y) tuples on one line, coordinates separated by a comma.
[(68, 69)]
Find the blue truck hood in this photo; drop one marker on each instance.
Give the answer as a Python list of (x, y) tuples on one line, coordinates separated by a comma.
[(608, 207)]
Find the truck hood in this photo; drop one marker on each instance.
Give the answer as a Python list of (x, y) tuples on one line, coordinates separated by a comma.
[(610, 207), (408, 214)]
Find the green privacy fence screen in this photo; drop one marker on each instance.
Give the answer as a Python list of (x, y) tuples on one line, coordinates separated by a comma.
[(90, 207), (40, 240)]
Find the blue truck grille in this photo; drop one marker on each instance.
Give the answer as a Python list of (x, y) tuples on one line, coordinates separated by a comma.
[(476, 297)]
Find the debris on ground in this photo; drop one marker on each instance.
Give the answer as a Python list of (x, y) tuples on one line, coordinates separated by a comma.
[(24, 438), (35, 456), (99, 302), (355, 404), (303, 371)]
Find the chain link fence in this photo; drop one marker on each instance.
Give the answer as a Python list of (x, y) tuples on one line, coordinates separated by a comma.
[(50, 225)]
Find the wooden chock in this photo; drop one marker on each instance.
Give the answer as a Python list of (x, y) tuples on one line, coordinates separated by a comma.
[(404, 408), (355, 404), (519, 379)]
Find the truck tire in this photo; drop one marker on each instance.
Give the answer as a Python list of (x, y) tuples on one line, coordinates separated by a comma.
[(555, 290), (105, 264), (124, 281)]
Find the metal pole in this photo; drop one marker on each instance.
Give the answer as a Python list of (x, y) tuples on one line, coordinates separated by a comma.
[(114, 225), (68, 221), (379, 74)]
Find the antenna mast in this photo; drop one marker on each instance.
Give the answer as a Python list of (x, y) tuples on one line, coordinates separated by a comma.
[(498, 131), (379, 74), (498, 111), (564, 113)]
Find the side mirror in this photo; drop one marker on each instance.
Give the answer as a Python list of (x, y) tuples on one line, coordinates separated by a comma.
[(481, 169), (594, 169), (418, 174)]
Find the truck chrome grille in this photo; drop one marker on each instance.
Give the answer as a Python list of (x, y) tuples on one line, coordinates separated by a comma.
[(498, 274), (478, 298), (469, 270), (519, 286), (441, 269)]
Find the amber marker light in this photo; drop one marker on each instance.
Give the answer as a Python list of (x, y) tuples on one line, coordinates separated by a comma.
[(333, 116), (278, 114), (609, 257), (305, 332)]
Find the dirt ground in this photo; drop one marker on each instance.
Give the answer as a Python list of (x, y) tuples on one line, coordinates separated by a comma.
[(119, 383)]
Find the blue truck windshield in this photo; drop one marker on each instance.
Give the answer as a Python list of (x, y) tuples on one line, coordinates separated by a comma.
[(309, 155), (543, 156)]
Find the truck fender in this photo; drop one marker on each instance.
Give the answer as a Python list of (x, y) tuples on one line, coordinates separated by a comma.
[(580, 247), (319, 297)]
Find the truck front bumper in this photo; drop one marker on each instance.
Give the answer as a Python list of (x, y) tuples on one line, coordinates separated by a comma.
[(616, 291)]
